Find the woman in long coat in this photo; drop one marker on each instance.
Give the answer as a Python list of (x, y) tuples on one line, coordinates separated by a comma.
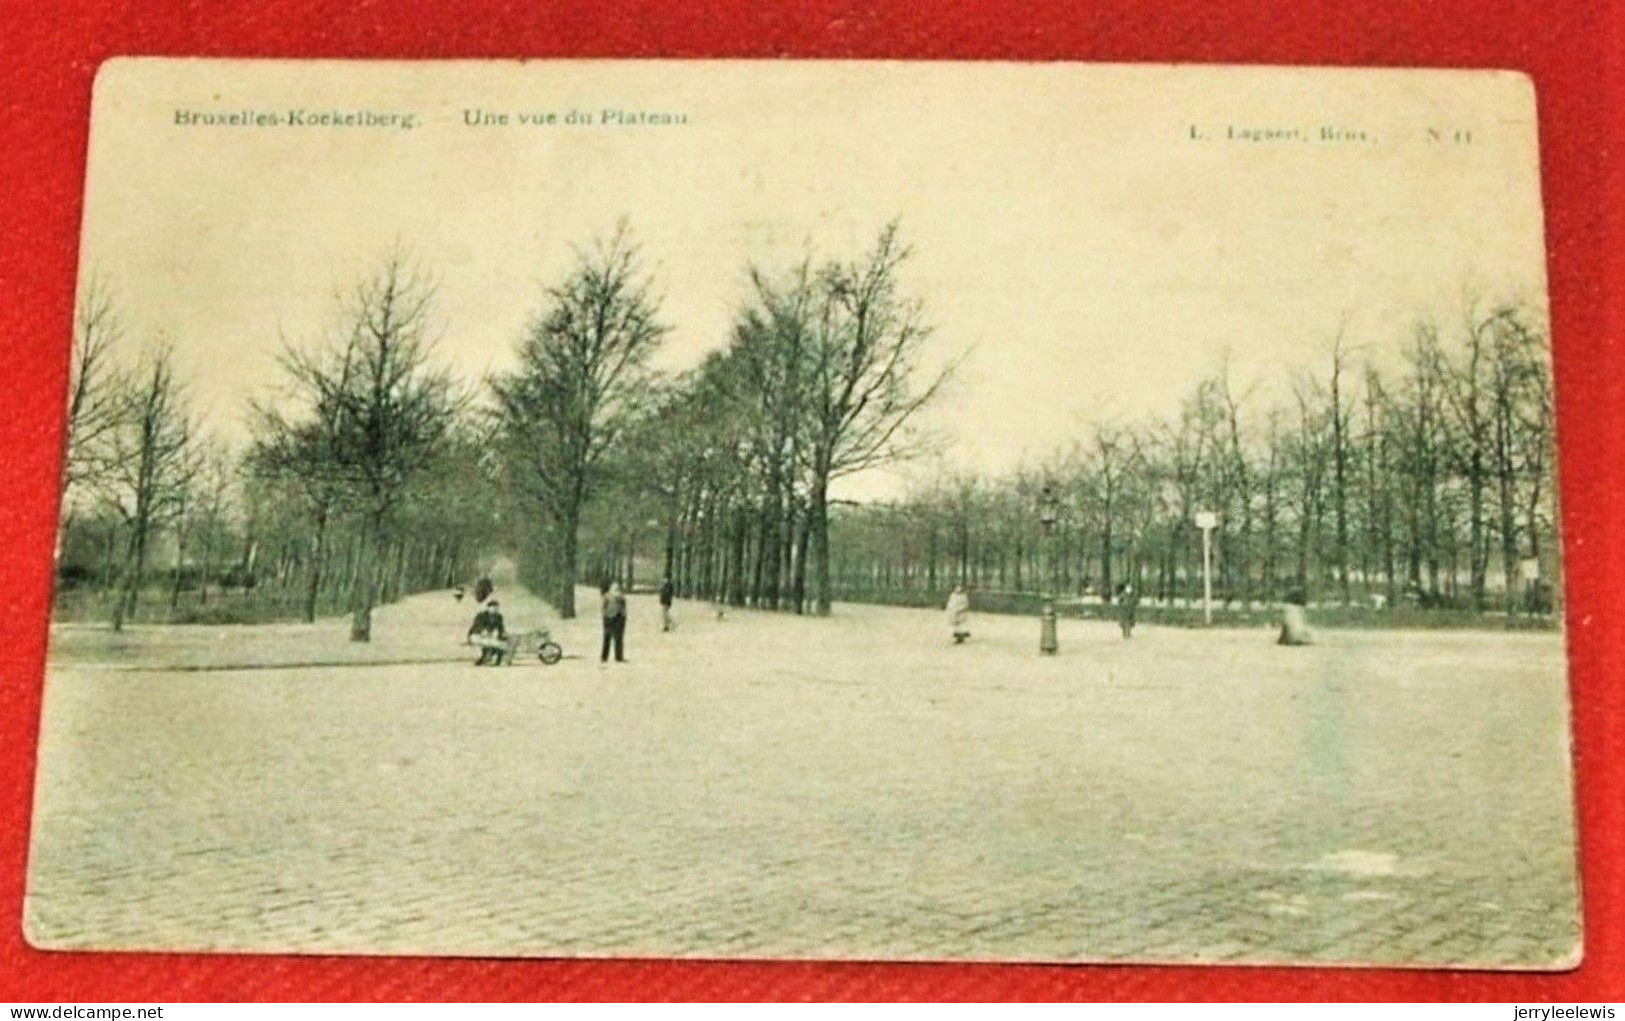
[(958, 611)]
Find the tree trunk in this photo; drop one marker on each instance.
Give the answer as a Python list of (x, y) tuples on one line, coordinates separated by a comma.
[(565, 583), (800, 580), (1478, 552), (1107, 592), (317, 559), (669, 559), (180, 564), (208, 562), (1509, 542), (135, 570), (930, 557), (818, 526), (364, 593), (734, 571), (786, 552)]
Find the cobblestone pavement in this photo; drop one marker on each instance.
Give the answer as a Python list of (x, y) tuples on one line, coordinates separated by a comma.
[(766, 786)]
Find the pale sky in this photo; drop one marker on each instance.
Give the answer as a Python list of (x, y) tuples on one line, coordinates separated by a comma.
[(1093, 258)]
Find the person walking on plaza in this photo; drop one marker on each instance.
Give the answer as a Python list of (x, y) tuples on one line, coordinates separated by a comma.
[(1295, 620), (1128, 604), (666, 594), (614, 623), (958, 611)]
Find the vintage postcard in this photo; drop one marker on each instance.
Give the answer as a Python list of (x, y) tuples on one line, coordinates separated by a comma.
[(810, 510)]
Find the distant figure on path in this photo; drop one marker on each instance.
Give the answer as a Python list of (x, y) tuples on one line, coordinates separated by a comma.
[(483, 589), (614, 623), (1128, 605), (666, 594), (489, 634), (958, 610), (1295, 621)]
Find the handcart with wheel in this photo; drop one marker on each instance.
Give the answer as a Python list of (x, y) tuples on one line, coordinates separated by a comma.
[(535, 641)]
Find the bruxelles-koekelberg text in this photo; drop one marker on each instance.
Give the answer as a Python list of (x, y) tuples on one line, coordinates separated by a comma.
[(295, 117)]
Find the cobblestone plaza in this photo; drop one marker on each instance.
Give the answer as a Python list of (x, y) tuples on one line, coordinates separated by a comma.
[(772, 786)]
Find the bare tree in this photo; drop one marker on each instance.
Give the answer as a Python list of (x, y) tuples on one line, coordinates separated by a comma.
[(1421, 418), (307, 455), (1109, 466), (95, 394), (150, 466), (1520, 395), (1238, 476), (1272, 472), (1466, 391), (1381, 467), (1535, 437), (374, 412), (865, 343), (215, 477), (1187, 445), (771, 341), (1338, 409), (577, 387), (1309, 462)]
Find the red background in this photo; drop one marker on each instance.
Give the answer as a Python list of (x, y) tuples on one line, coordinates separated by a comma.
[(47, 60)]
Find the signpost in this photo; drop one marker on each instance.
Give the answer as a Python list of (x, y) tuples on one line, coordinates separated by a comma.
[(1207, 521)]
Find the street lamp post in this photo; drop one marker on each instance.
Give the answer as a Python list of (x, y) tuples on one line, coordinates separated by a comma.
[(1048, 514)]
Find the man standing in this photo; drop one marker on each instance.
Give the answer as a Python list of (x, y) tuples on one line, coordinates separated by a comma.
[(666, 623), (614, 623)]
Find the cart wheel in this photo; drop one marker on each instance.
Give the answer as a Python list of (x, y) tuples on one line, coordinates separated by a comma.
[(550, 653)]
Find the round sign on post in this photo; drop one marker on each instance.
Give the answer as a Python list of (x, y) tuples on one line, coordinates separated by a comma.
[(1207, 521)]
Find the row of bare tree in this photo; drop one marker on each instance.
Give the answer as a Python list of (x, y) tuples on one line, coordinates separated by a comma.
[(362, 480), (730, 463), (1432, 482), (1428, 476), (135, 463), (373, 442), (374, 472)]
